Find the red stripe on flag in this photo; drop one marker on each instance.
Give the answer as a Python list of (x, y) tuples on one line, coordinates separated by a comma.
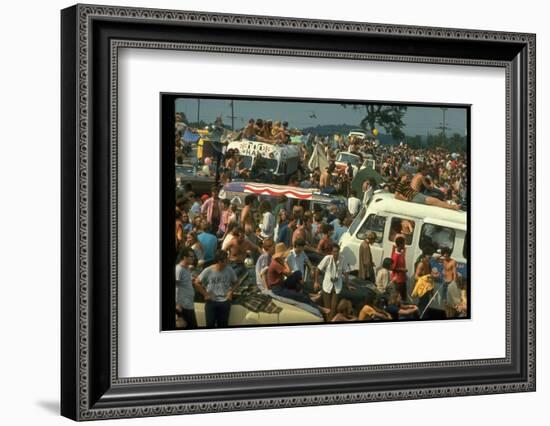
[(274, 192)]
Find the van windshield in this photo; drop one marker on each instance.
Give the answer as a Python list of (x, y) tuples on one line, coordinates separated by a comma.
[(344, 157), (357, 221)]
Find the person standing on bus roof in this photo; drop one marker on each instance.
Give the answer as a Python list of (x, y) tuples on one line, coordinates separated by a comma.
[(249, 131), (354, 203)]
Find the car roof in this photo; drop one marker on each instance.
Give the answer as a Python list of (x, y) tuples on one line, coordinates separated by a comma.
[(385, 201)]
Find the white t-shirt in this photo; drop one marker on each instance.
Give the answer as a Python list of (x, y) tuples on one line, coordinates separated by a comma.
[(185, 292), (267, 225), (261, 264), (382, 279), (368, 194), (333, 273), (354, 204), (217, 282)]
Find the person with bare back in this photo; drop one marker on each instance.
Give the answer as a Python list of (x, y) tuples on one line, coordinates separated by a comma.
[(238, 247), (405, 192), (247, 215), (449, 271), (326, 181), (420, 181), (249, 131)]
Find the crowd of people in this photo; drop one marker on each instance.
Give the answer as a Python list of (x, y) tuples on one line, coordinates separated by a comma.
[(294, 252)]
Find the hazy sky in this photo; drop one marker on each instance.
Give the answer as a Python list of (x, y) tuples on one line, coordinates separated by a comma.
[(418, 120)]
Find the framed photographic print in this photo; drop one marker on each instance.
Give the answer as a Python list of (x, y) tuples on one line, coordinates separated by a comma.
[(264, 212)]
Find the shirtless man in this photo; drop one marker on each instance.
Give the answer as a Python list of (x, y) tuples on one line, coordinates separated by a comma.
[(404, 191), (326, 181), (238, 248), (420, 181), (230, 160), (240, 170), (449, 270), (303, 231), (249, 131), (247, 216), (278, 133), (423, 267)]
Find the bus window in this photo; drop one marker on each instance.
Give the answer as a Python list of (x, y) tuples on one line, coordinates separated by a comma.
[(270, 164), (374, 224), (402, 226), (290, 165), (247, 162), (435, 237)]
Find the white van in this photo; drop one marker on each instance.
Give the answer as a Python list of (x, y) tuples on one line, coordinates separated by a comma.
[(424, 226)]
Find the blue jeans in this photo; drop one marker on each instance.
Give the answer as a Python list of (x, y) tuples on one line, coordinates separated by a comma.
[(217, 313), (435, 193), (292, 288)]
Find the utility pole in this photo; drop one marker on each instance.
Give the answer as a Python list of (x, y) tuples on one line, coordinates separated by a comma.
[(443, 126), (232, 116), (198, 112)]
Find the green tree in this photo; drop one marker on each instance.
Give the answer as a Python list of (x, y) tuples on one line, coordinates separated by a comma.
[(390, 117)]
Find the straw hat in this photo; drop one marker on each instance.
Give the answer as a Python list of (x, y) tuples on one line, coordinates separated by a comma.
[(280, 250)]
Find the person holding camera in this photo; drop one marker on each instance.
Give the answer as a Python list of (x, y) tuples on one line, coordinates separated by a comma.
[(336, 275)]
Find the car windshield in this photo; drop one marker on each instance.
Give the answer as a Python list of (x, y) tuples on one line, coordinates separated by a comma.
[(344, 157)]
